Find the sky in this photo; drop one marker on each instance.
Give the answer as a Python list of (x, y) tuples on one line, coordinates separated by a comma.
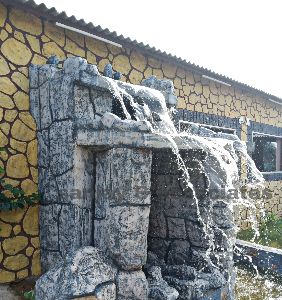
[(241, 39)]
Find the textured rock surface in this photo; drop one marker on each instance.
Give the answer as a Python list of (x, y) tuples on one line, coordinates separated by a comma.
[(177, 238), (14, 245), (17, 166), (7, 293), (128, 227), (132, 285), (172, 207), (123, 204), (158, 288), (204, 286), (101, 194), (83, 272), (165, 86), (66, 172), (16, 52)]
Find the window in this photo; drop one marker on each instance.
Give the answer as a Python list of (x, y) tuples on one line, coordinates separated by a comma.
[(266, 152), (185, 126)]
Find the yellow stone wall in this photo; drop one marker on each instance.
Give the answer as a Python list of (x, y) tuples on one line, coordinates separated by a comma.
[(274, 204), (26, 39)]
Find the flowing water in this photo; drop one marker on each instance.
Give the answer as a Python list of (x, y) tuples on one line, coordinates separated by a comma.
[(225, 153)]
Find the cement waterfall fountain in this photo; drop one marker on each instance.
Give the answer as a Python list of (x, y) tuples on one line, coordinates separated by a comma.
[(130, 208)]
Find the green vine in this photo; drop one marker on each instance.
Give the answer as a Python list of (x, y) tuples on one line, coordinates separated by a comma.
[(12, 198), (270, 232), (29, 295)]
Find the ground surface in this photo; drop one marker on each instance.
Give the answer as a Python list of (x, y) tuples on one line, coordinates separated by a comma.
[(249, 286)]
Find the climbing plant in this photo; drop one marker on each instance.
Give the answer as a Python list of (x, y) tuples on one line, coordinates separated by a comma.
[(12, 198), (29, 295), (270, 232)]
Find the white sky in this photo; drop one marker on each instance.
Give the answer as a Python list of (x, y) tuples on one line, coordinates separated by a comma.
[(241, 39)]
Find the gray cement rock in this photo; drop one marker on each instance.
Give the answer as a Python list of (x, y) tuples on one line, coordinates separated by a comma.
[(183, 272), (176, 228), (7, 293), (74, 65), (49, 230), (185, 288), (158, 288), (224, 239), (33, 77), (223, 217), (45, 115), (49, 258), (165, 86), (83, 107), (204, 286), (106, 291), (35, 105), (159, 247), (125, 178), (106, 198), (153, 260), (101, 234), (61, 146), (61, 100), (109, 119), (179, 253), (43, 148), (83, 272), (45, 73), (158, 224), (132, 285), (102, 101), (215, 279), (178, 206), (199, 236), (75, 228), (48, 187), (128, 227)]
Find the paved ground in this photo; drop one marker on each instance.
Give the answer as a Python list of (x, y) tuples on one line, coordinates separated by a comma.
[(6, 293)]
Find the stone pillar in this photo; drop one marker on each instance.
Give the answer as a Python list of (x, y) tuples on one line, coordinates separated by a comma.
[(122, 207), (66, 172)]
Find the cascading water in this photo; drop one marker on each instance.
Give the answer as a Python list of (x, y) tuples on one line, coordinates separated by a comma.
[(190, 187), (224, 152)]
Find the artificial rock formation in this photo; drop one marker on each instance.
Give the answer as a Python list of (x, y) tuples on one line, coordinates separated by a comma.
[(115, 175), (206, 101), (85, 271)]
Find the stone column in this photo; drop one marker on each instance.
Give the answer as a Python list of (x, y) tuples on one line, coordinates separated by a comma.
[(66, 172), (122, 207)]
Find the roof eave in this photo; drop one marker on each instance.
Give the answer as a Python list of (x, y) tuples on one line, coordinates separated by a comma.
[(51, 14)]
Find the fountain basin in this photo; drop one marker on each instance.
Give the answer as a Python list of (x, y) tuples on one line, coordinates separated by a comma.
[(266, 259)]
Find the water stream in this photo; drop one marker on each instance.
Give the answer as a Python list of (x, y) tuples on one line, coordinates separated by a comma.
[(225, 153)]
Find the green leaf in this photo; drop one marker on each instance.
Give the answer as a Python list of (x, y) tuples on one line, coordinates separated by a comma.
[(16, 197), (29, 295)]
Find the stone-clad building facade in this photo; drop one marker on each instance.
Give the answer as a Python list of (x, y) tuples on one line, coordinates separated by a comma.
[(29, 35)]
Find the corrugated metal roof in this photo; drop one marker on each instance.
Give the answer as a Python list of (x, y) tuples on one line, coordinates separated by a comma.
[(54, 15)]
